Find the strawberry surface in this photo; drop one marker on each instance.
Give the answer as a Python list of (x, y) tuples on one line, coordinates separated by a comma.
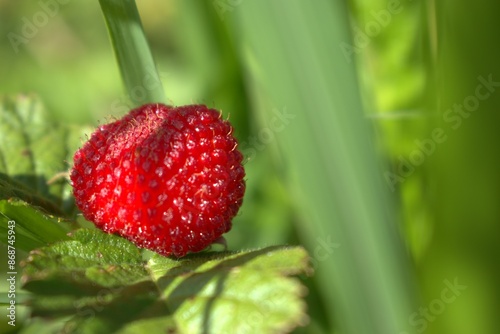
[(169, 179)]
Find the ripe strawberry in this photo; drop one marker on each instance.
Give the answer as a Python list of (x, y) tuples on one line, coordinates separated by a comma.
[(167, 178)]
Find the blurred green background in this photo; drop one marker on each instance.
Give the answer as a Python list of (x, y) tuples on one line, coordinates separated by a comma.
[(370, 130)]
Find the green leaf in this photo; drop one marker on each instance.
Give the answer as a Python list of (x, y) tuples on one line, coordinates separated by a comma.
[(33, 150), (109, 285), (10, 188), (32, 228), (40, 326)]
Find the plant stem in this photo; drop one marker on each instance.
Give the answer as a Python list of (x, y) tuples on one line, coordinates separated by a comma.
[(132, 52)]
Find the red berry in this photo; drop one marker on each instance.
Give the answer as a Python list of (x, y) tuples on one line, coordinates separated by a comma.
[(167, 178)]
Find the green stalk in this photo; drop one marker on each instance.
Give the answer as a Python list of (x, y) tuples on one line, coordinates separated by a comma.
[(132, 52)]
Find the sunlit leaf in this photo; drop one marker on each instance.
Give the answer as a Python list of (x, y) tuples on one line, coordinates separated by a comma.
[(106, 276), (31, 227), (34, 154)]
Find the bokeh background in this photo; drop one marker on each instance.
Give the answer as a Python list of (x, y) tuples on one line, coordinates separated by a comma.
[(370, 129)]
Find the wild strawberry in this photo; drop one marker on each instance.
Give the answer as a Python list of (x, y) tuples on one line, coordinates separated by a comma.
[(169, 179)]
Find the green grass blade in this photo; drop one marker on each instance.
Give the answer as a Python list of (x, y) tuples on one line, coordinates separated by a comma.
[(132, 52), (294, 59)]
